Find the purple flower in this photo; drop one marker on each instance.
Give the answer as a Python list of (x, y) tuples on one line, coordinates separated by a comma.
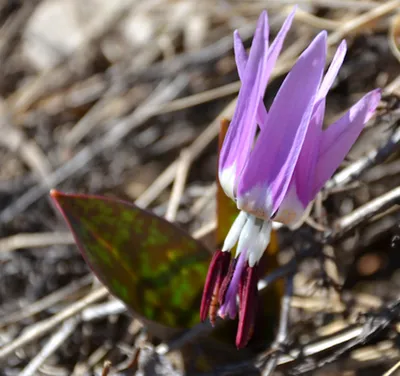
[(276, 176)]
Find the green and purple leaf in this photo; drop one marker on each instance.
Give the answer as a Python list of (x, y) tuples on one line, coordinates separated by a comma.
[(153, 266)]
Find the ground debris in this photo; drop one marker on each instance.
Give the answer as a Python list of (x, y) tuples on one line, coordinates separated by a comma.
[(124, 99)]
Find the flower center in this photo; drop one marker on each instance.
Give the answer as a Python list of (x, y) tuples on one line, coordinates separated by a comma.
[(252, 236)]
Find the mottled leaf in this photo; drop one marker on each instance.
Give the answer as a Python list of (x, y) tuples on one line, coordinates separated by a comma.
[(154, 267)]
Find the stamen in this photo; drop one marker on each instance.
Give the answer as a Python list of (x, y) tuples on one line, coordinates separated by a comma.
[(229, 288), (212, 312), (216, 274), (227, 281), (248, 306)]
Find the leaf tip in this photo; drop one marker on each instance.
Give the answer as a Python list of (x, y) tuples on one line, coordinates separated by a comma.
[(57, 198), (54, 193)]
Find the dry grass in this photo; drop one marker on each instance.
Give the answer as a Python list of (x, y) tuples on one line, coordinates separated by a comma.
[(126, 101)]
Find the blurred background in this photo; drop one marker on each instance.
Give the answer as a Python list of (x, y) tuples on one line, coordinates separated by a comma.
[(123, 98)]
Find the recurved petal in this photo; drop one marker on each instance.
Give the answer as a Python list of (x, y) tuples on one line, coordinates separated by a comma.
[(301, 185), (265, 180), (241, 132), (276, 46), (241, 61), (337, 140), (240, 54), (303, 176), (332, 71), (273, 54)]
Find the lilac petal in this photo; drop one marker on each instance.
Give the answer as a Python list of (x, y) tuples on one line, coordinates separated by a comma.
[(277, 44), (241, 132), (240, 54), (265, 180), (337, 140), (333, 71), (241, 61), (273, 53), (303, 176), (292, 209)]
